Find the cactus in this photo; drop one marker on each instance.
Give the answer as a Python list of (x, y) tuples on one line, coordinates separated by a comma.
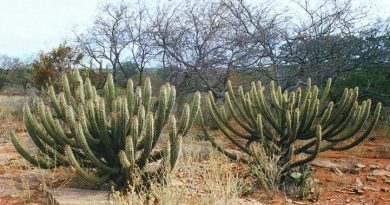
[(290, 124), (110, 139)]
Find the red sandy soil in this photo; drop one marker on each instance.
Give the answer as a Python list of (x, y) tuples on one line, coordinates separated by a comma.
[(336, 188), (373, 153)]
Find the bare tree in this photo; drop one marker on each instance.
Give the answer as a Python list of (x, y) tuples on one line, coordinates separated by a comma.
[(195, 37), (107, 38), (9, 63), (203, 43), (324, 40), (320, 40), (139, 36)]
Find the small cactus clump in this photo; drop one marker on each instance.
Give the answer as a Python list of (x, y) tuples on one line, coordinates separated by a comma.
[(110, 139), (295, 125)]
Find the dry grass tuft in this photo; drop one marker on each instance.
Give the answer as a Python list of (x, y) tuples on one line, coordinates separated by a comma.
[(203, 176), (11, 114), (267, 170)]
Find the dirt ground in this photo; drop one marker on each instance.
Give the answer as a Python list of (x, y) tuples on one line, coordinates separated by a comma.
[(362, 175)]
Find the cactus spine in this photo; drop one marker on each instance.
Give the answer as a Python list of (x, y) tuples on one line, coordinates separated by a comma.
[(107, 139), (290, 123)]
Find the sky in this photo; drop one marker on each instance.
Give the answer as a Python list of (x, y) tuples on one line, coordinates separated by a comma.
[(30, 26)]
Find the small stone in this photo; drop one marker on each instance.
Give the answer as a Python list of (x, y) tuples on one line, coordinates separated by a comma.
[(355, 168), (371, 179), (366, 188), (67, 196), (380, 172), (354, 171), (358, 182), (359, 166), (373, 167), (324, 163), (358, 191), (385, 189)]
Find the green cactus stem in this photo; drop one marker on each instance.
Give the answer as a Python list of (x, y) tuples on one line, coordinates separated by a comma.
[(109, 139), (301, 122)]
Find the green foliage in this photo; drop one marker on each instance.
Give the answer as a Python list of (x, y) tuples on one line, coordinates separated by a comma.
[(302, 183), (295, 126), (4, 80), (15, 74), (20, 76), (373, 83), (111, 138), (47, 68)]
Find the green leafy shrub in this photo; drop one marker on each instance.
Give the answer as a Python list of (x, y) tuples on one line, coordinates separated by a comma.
[(111, 138), (47, 68), (4, 80), (373, 83)]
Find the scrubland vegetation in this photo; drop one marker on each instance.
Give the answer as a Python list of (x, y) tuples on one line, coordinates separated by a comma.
[(203, 102)]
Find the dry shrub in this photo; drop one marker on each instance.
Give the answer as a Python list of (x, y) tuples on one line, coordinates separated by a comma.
[(383, 129), (266, 170), (11, 113), (198, 180)]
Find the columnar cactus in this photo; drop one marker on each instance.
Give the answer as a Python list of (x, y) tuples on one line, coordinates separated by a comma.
[(107, 139), (290, 123)]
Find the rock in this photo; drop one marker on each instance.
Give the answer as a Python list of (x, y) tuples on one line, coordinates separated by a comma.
[(339, 168), (387, 181), (71, 196), (324, 163), (358, 190), (373, 167), (358, 182), (385, 189), (387, 168), (359, 165), (366, 188), (355, 168), (371, 179), (380, 172)]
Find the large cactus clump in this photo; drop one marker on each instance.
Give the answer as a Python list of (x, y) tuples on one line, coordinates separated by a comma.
[(107, 139), (295, 125)]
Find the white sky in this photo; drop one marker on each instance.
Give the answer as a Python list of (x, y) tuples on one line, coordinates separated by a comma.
[(28, 26)]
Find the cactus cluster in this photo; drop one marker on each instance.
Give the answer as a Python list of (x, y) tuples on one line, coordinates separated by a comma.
[(295, 125), (107, 139)]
